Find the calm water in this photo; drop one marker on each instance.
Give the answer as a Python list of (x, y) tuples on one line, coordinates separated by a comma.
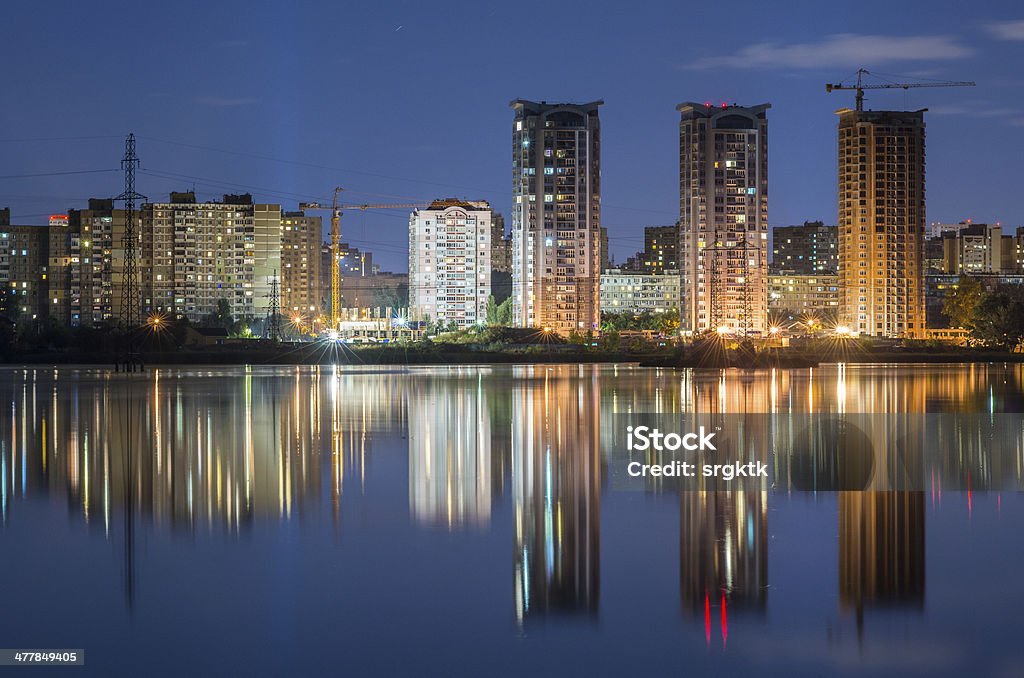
[(470, 521)]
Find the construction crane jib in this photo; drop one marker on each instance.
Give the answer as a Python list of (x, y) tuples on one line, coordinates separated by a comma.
[(336, 210)]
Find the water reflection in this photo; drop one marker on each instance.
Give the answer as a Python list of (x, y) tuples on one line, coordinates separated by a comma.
[(221, 451), (556, 475), (881, 549), (723, 554), (449, 451)]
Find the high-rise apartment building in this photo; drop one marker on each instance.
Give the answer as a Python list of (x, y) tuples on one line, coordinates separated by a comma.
[(501, 245), (556, 215), (501, 259), (811, 249), (882, 222), (59, 268), (723, 218), (661, 249), (95, 272), (23, 271), (300, 264), (450, 262), (606, 252), (193, 255)]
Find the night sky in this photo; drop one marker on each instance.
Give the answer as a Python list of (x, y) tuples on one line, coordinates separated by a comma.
[(408, 101)]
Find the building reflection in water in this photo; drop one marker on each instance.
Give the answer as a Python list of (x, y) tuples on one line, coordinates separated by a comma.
[(881, 551), (723, 554), (723, 532), (217, 449), (556, 479), (196, 448), (450, 449)]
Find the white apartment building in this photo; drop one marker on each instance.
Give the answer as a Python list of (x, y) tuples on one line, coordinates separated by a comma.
[(450, 262)]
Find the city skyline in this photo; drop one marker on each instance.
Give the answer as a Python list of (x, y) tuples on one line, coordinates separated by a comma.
[(778, 63)]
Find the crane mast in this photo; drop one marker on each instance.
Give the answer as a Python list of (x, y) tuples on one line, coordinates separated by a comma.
[(336, 208), (335, 254)]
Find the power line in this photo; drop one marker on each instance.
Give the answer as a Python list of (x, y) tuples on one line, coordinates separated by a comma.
[(301, 163), (56, 174), (81, 138)]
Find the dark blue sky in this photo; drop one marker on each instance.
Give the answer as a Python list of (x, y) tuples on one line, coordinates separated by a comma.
[(408, 100)]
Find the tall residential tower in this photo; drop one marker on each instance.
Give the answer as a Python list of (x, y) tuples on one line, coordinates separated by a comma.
[(556, 216), (723, 218), (450, 262), (881, 222)]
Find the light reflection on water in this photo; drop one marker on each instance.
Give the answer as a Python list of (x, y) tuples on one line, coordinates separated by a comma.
[(286, 464)]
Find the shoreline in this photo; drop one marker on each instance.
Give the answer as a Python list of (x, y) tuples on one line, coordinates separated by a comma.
[(317, 355)]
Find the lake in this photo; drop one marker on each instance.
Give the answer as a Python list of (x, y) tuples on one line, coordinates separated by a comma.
[(480, 520)]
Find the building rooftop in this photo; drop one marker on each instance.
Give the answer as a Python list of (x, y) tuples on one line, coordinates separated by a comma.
[(445, 203), (545, 107), (707, 109)]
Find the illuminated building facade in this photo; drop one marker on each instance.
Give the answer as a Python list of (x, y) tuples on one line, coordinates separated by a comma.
[(979, 248), (626, 292), (811, 249), (96, 272), (193, 255), (816, 294), (300, 264), (450, 262), (882, 222), (501, 246), (23, 271), (556, 216), (723, 217), (661, 247)]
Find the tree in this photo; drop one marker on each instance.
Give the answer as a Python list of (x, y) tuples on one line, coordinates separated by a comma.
[(222, 317), (499, 314), (962, 304), (998, 319), (666, 323)]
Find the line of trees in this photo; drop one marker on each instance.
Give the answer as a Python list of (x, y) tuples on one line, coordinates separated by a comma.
[(992, 316), (667, 322)]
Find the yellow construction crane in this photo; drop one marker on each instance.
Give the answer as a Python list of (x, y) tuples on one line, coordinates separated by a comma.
[(336, 209), (859, 86)]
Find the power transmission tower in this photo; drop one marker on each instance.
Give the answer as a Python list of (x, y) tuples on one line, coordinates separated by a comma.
[(131, 313), (273, 330), (714, 289), (746, 287)]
